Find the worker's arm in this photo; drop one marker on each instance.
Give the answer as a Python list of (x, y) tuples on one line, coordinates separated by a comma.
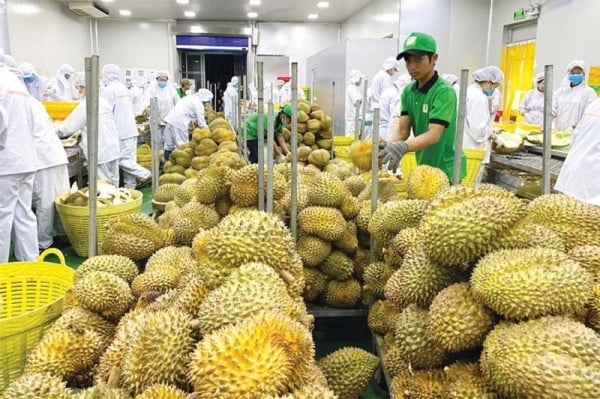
[(427, 139), (281, 142)]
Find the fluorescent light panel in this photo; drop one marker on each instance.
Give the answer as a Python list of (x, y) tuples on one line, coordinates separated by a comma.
[(252, 14), (255, 2), (323, 4), (182, 1), (125, 13), (313, 16), (189, 14)]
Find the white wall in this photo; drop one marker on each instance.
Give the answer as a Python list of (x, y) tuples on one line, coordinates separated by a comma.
[(468, 38), (297, 41), (135, 44), (49, 37), (377, 20)]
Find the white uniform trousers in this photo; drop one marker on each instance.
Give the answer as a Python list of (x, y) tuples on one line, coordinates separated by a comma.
[(48, 184), (175, 137), (128, 163), (17, 220), (109, 171)]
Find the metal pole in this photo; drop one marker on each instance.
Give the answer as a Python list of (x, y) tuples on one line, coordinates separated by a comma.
[(357, 120), (270, 142), (331, 152), (312, 86), (294, 144), (364, 109), (460, 125), (244, 116), (238, 107), (155, 140), (374, 176), (91, 103), (261, 143), (489, 33), (547, 145)]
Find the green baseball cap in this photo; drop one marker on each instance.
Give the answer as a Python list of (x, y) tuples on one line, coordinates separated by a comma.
[(288, 110), (418, 44)]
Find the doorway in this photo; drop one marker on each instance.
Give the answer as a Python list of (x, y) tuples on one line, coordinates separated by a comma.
[(212, 70)]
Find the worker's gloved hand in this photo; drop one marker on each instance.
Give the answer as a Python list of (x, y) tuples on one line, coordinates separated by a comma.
[(393, 153)]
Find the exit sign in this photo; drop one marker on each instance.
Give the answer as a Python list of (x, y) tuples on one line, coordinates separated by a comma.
[(519, 14)]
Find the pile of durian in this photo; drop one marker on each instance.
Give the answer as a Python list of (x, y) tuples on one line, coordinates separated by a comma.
[(222, 318), (479, 294), (314, 129)]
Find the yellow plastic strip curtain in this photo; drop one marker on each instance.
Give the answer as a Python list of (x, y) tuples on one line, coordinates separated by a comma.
[(518, 64)]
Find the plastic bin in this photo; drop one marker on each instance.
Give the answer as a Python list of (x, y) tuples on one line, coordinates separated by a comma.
[(59, 110), (31, 295), (340, 147)]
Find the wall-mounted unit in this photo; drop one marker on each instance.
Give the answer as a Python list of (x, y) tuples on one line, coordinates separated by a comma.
[(87, 9)]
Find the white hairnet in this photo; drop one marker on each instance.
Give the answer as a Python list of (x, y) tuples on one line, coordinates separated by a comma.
[(355, 76), (110, 72), (279, 82), (79, 79), (205, 95), (65, 68), (488, 74), (403, 80), (574, 64), (27, 69), (389, 63), (10, 60), (162, 74), (234, 79), (450, 78), (539, 77)]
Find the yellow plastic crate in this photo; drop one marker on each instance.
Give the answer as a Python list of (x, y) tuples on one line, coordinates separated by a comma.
[(474, 159), (75, 219), (59, 110), (340, 147), (31, 295)]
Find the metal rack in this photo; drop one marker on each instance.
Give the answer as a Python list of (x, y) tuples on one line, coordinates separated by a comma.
[(379, 349)]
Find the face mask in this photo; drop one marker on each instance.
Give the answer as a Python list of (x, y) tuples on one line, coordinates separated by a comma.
[(29, 79), (576, 78), (489, 92), (67, 76), (162, 84)]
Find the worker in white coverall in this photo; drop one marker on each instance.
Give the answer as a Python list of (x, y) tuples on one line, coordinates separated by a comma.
[(532, 107), (189, 109), (353, 98), (17, 171), (453, 80), (118, 97), (230, 100), (478, 117), (108, 136), (380, 82), (51, 176), (59, 87), (166, 98), (35, 84), (285, 94), (389, 106), (571, 98), (580, 174)]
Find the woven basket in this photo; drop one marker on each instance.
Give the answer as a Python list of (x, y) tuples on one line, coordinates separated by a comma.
[(31, 296), (75, 219), (144, 153)]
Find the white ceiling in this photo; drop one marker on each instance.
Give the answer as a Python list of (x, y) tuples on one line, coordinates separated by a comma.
[(232, 10)]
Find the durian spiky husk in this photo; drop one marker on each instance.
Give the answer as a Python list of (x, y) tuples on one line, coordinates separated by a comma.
[(325, 222), (315, 285), (313, 250), (463, 221), (422, 384), (308, 392), (342, 294), (425, 181), (81, 318), (382, 316), (551, 357), (338, 266), (263, 355), (162, 391), (104, 293), (103, 392), (38, 385), (349, 371), (393, 362), (528, 283), (588, 256), (118, 265), (594, 313), (375, 276), (395, 216), (457, 321), (135, 235)]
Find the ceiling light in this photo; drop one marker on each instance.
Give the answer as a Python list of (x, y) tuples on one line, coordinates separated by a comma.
[(252, 14), (125, 13), (182, 1), (108, 1), (323, 4), (255, 2), (197, 29), (313, 16), (189, 14)]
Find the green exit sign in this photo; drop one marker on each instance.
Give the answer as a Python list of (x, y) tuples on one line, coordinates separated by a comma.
[(519, 14)]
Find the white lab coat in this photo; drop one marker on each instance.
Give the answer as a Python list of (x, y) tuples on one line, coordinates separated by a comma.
[(285, 95), (230, 102), (37, 88), (189, 109), (59, 89), (478, 124), (166, 97), (137, 98), (496, 103), (532, 107), (119, 98), (381, 81), (568, 104), (353, 95), (52, 176), (17, 169), (389, 107), (580, 173)]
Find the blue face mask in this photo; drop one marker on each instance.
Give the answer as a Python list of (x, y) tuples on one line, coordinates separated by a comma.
[(576, 78), (162, 84), (489, 92), (29, 79)]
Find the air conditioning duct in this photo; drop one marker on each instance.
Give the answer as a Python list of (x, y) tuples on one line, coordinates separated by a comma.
[(87, 9)]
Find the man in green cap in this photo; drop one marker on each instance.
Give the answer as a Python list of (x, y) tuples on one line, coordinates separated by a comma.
[(284, 117), (428, 107)]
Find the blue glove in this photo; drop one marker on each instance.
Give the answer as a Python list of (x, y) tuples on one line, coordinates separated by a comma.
[(393, 153)]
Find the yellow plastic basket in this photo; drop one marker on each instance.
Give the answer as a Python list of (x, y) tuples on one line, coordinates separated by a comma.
[(59, 110), (31, 296), (75, 219), (340, 147), (474, 159), (144, 153)]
